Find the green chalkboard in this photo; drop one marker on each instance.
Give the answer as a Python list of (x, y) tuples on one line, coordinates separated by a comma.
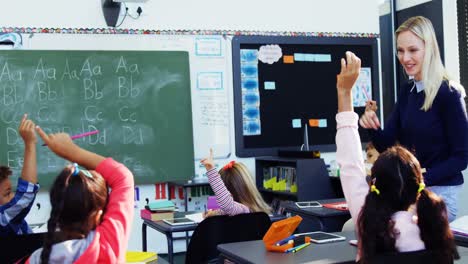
[(138, 100)]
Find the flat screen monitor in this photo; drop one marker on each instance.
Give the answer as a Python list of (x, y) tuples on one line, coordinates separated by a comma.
[(285, 88)]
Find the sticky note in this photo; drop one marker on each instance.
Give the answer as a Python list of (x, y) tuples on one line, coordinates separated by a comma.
[(309, 57), (299, 56), (313, 122), (270, 85), (288, 59), (322, 123), (296, 123), (323, 57)]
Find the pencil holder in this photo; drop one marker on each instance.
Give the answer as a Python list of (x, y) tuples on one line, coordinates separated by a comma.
[(280, 233)]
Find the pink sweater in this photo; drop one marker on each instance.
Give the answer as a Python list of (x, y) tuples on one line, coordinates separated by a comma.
[(110, 240), (355, 187), (223, 196)]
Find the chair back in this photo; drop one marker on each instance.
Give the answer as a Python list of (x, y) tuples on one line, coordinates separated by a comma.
[(224, 229), (19, 247), (412, 257)]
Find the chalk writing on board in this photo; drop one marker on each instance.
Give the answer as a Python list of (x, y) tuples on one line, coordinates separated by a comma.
[(139, 102)]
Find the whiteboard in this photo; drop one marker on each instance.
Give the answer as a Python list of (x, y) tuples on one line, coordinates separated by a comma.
[(210, 60)]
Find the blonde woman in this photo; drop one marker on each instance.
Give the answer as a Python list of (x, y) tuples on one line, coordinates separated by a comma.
[(234, 189), (430, 116)]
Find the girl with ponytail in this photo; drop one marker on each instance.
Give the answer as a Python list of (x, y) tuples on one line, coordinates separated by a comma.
[(87, 224), (397, 213)]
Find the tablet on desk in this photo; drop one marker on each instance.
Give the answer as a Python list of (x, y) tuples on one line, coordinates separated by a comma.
[(323, 237), (308, 204), (179, 221)]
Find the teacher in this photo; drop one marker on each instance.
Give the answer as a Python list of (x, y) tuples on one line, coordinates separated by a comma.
[(430, 116)]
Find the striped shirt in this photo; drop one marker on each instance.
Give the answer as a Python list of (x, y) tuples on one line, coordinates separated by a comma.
[(13, 213), (223, 197)]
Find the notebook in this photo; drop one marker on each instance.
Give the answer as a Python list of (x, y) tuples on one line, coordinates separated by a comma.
[(141, 257)]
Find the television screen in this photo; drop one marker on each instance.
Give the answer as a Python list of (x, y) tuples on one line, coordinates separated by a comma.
[(285, 87)]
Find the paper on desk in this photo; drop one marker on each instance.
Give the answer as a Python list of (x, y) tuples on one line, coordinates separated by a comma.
[(197, 217)]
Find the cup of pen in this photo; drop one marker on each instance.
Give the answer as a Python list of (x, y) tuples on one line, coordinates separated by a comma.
[(280, 237)]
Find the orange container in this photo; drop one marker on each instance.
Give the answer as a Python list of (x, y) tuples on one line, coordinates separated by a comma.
[(281, 230)]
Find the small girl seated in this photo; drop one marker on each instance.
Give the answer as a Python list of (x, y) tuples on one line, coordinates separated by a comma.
[(371, 156), (234, 189), (86, 224)]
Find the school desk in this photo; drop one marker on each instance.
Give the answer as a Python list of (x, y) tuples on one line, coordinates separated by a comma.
[(329, 220), (168, 230), (336, 252), (186, 185)]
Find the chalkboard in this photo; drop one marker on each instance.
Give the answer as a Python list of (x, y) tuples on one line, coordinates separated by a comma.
[(138, 100)]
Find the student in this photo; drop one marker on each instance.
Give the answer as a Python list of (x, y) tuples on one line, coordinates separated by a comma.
[(371, 156), (93, 226), (234, 189), (430, 116), (15, 207), (397, 213)]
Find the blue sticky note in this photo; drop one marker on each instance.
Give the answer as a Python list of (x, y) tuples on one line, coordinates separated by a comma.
[(296, 123), (299, 56), (322, 123), (323, 57), (309, 57), (270, 86)]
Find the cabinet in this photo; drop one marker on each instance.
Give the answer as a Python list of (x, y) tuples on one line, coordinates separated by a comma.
[(311, 177)]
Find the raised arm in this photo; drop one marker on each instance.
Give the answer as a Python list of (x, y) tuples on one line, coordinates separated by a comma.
[(26, 130), (348, 144), (223, 196), (62, 145)]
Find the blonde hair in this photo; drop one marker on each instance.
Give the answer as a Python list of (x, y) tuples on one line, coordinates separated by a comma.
[(239, 182), (433, 71)]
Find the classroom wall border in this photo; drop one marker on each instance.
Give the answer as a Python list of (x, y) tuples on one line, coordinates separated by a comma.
[(30, 30)]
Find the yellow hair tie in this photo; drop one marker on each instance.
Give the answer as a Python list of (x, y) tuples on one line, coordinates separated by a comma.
[(421, 186), (374, 189)]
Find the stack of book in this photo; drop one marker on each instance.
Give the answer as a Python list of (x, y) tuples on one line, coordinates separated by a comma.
[(158, 210)]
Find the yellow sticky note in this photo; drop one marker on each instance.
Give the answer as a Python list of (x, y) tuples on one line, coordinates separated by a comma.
[(288, 59)]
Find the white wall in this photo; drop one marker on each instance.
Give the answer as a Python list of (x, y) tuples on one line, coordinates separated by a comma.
[(262, 15)]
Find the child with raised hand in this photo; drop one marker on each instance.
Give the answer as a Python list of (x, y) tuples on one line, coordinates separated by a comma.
[(234, 189), (396, 213), (14, 207), (87, 224)]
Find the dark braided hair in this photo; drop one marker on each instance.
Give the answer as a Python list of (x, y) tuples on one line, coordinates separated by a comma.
[(75, 201), (397, 175)]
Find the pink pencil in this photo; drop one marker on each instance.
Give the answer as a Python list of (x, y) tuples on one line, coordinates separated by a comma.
[(81, 135), (84, 134), (365, 93)]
